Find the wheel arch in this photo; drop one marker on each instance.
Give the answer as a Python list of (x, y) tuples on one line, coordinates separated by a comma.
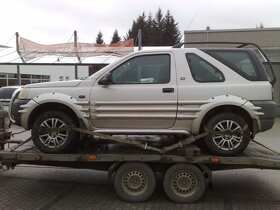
[(227, 108), (48, 107)]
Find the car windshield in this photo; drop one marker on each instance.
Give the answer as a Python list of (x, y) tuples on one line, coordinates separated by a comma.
[(6, 93)]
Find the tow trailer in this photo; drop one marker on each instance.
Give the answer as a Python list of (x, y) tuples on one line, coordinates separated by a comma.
[(134, 164)]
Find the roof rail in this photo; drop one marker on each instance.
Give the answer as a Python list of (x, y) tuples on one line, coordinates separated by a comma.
[(4, 46), (239, 45)]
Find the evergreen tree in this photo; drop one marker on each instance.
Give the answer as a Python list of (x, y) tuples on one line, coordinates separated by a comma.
[(158, 31), (149, 31), (136, 25), (158, 25), (99, 38), (260, 25), (171, 34), (116, 38), (130, 34)]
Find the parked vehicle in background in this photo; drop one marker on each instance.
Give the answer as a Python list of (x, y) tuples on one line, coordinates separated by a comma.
[(6, 95), (171, 91), (5, 132)]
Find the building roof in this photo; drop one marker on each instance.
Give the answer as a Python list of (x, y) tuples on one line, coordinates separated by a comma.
[(232, 30), (266, 38)]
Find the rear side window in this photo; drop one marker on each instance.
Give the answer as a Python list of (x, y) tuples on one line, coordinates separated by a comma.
[(239, 61), (203, 71)]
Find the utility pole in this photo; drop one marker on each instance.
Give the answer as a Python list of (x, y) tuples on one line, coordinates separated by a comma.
[(77, 53), (17, 48), (139, 39), (23, 61), (76, 46)]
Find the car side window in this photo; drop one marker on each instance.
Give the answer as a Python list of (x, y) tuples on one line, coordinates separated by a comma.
[(239, 61), (203, 71), (147, 69)]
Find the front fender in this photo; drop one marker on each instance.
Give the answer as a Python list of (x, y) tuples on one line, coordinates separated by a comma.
[(80, 108), (224, 100)]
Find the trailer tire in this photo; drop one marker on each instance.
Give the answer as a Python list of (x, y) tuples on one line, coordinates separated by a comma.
[(224, 144), (56, 142), (184, 183), (134, 182)]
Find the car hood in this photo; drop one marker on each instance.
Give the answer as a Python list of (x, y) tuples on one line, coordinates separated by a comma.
[(70, 83)]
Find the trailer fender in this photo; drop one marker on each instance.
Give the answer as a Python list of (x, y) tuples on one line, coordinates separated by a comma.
[(207, 174), (113, 169)]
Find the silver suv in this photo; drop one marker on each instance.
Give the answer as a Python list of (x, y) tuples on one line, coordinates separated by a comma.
[(173, 91)]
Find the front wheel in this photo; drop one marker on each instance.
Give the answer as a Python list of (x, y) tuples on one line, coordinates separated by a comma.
[(227, 144), (57, 141)]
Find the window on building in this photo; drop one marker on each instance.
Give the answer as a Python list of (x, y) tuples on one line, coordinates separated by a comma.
[(12, 79), (46, 78), (25, 79), (36, 78), (3, 79), (8, 79)]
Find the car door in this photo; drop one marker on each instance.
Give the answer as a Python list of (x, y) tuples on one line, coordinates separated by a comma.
[(142, 95)]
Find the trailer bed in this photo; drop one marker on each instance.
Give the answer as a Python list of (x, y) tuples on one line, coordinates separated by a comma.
[(255, 156), (186, 170)]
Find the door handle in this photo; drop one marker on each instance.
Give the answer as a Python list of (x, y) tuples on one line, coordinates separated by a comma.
[(168, 90)]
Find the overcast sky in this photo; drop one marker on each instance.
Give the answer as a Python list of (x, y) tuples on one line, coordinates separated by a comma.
[(53, 21)]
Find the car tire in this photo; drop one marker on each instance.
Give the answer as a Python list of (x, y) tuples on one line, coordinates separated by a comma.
[(55, 142), (227, 144)]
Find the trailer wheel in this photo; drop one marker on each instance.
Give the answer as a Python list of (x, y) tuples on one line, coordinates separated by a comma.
[(134, 182), (184, 183), (55, 142)]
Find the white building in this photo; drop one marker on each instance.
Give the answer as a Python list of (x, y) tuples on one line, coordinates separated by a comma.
[(31, 62), (15, 72)]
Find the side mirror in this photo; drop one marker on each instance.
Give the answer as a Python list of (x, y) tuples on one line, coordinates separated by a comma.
[(106, 79)]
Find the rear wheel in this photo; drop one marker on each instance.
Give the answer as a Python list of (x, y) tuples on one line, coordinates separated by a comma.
[(57, 141), (227, 144), (184, 183), (134, 182)]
